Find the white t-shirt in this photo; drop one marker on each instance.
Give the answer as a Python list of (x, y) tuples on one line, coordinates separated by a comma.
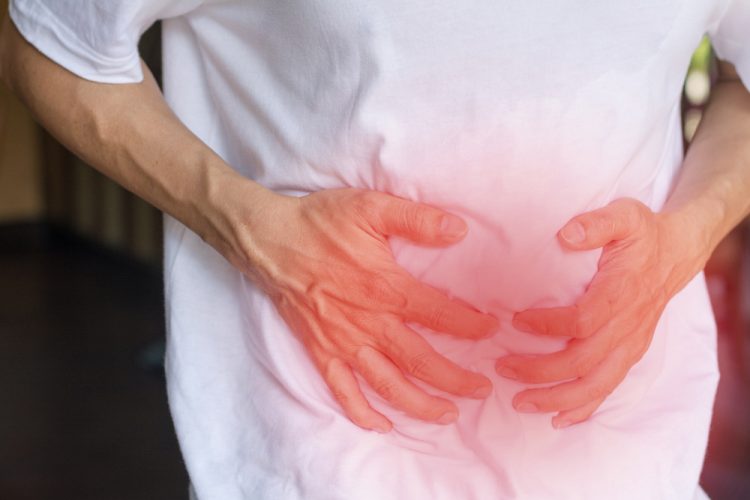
[(515, 116)]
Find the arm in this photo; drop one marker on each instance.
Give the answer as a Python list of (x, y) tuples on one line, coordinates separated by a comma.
[(127, 132), (647, 259), (713, 190), (327, 251)]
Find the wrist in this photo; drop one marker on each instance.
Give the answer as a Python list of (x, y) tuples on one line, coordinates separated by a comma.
[(690, 236), (234, 214)]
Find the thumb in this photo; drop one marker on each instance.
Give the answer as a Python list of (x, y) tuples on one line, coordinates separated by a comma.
[(418, 222), (595, 229)]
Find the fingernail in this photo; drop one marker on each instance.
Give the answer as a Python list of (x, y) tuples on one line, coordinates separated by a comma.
[(560, 423), (527, 408), (522, 326), (481, 392), (383, 429), (507, 372), (447, 418), (452, 227), (573, 233)]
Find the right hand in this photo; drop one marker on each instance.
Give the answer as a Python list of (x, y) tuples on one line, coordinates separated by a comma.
[(325, 261)]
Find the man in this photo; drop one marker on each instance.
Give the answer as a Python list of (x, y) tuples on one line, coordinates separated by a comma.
[(348, 182)]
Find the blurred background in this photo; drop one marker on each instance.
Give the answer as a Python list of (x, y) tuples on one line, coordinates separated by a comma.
[(83, 411)]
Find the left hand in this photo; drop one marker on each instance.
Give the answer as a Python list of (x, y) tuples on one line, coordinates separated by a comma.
[(647, 258)]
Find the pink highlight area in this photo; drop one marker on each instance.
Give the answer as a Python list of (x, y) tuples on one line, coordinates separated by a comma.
[(563, 249), (578, 304), (576, 354)]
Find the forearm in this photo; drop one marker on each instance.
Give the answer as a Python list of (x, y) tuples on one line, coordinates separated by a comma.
[(712, 194), (127, 132)]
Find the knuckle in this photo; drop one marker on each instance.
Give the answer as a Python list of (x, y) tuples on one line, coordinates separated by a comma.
[(368, 199), (438, 316), (341, 396), (637, 207), (361, 357), (379, 288), (595, 391), (637, 213), (368, 205), (413, 218), (547, 327), (609, 225), (418, 364), (387, 388)]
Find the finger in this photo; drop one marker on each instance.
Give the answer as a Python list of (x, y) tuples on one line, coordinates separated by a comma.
[(433, 309), (347, 392), (594, 229), (630, 331), (569, 417), (605, 297), (567, 321), (597, 384), (415, 356), (420, 223), (392, 385), (577, 359)]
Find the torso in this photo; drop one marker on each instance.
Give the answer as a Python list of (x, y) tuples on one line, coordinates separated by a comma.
[(515, 116)]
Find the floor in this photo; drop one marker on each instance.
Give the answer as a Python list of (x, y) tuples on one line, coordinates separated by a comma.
[(83, 413)]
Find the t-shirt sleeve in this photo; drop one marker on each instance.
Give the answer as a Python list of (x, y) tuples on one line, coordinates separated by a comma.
[(95, 39), (731, 37)]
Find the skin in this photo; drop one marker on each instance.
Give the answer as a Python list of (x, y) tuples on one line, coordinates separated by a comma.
[(646, 259), (324, 260)]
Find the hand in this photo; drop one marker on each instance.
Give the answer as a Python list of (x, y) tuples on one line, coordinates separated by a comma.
[(647, 258), (325, 261)]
